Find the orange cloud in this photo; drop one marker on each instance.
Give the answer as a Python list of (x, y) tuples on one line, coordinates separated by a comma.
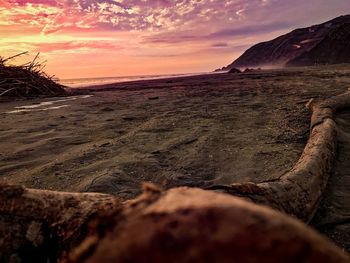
[(76, 45), (82, 38)]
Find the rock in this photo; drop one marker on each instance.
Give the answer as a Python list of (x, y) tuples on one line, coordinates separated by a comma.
[(234, 70)]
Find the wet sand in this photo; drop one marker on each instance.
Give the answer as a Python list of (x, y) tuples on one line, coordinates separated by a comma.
[(194, 131)]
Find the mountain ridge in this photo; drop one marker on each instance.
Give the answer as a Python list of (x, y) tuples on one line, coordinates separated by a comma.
[(326, 43)]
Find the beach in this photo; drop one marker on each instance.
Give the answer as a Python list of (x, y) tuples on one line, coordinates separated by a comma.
[(187, 131), (193, 131), (197, 131)]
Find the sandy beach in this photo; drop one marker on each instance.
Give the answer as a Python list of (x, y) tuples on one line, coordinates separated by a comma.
[(175, 131), (193, 131)]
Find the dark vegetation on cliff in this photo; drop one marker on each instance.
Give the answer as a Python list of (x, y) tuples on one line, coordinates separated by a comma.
[(327, 43)]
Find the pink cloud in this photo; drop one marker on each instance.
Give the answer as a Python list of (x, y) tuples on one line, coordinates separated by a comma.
[(76, 45), (158, 16), (186, 34)]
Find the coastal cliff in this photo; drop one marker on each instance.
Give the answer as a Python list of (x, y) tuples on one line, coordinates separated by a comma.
[(326, 43)]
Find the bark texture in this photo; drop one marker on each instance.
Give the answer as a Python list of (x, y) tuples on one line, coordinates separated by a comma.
[(193, 225), (36, 225)]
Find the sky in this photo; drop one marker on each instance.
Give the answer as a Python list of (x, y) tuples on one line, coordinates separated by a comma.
[(107, 38)]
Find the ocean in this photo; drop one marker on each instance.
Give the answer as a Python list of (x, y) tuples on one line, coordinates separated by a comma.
[(85, 82)]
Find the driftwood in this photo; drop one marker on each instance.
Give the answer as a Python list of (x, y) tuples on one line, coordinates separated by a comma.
[(27, 80), (193, 225), (178, 225), (299, 191), (36, 224), (182, 224)]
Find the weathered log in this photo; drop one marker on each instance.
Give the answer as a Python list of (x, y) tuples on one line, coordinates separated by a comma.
[(37, 224), (299, 191), (193, 225)]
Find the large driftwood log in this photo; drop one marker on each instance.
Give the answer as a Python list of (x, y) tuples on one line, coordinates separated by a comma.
[(299, 191), (193, 225)]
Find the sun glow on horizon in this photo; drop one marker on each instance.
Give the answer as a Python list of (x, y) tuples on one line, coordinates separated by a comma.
[(84, 38)]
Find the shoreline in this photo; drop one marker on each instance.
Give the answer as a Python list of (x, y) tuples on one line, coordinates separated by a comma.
[(169, 81), (109, 80), (137, 84)]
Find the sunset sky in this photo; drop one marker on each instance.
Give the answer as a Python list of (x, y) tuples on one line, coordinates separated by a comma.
[(83, 38)]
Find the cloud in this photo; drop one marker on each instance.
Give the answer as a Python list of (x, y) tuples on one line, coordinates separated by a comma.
[(249, 30), (220, 45), (192, 31), (179, 37), (76, 46), (156, 15)]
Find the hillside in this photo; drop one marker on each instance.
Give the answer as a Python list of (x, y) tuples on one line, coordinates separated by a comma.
[(327, 43)]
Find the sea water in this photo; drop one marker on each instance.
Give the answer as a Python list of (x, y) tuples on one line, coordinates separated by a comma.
[(84, 82)]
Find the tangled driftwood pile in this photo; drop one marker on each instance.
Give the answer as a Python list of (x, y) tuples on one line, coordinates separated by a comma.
[(27, 80)]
